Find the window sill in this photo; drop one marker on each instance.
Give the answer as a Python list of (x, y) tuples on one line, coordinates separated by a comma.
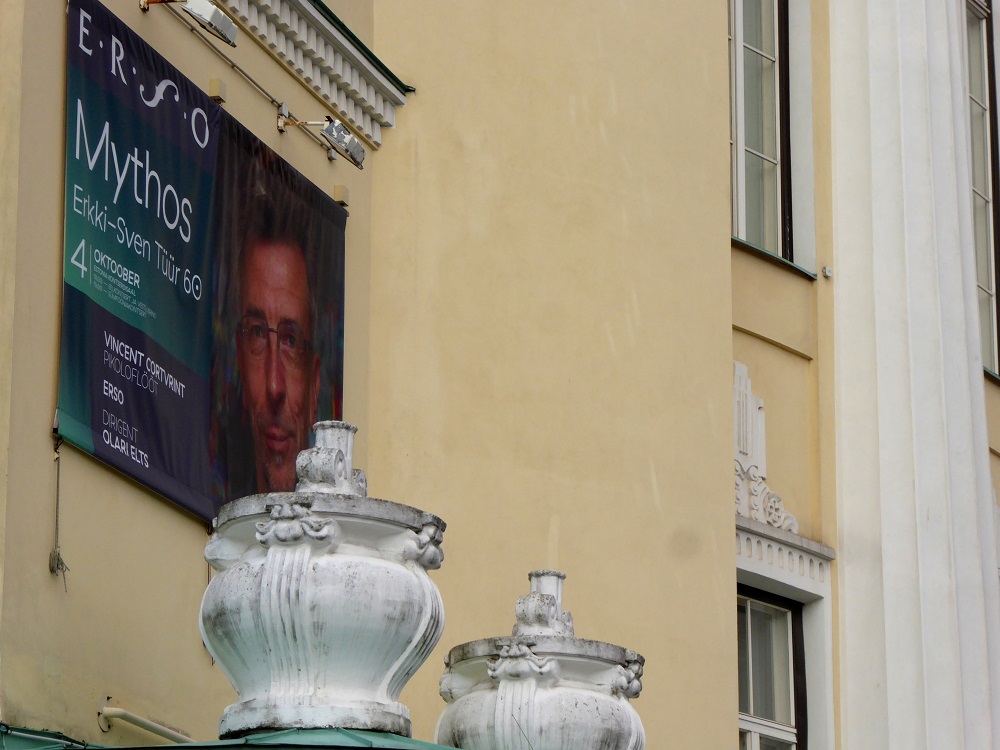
[(771, 258), (991, 376)]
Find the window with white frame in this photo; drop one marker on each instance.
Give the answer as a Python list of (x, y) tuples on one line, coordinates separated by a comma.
[(981, 88), (759, 137), (771, 678)]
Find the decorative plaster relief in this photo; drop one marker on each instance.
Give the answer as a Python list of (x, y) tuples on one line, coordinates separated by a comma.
[(754, 499), (749, 445), (325, 59)]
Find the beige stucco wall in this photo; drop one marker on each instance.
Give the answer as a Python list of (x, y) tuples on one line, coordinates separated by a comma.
[(551, 342), (10, 122), (787, 383), (775, 334), (125, 625)]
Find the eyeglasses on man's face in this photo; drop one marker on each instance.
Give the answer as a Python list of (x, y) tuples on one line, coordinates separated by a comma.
[(293, 346)]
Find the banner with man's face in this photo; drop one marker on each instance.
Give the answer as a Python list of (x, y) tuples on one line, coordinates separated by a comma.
[(203, 281)]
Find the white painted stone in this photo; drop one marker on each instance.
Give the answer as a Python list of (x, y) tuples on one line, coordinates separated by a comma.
[(541, 688), (754, 499), (918, 603), (322, 609)]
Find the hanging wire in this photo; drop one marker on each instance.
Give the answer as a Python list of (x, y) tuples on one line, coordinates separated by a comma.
[(57, 565)]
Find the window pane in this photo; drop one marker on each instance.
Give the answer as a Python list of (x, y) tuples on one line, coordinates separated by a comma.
[(744, 656), (980, 148), (760, 109), (986, 330), (758, 25), (984, 247), (770, 664), (761, 203), (766, 743), (744, 741), (977, 67)]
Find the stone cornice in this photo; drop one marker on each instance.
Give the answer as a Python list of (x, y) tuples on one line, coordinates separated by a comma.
[(786, 538), (791, 564), (337, 68)]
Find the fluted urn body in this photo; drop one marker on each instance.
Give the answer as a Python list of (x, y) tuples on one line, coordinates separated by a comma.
[(541, 688), (322, 608)]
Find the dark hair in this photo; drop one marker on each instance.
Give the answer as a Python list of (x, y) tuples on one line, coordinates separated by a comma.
[(266, 218)]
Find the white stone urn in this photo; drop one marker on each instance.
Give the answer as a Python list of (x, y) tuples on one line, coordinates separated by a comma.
[(322, 609), (541, 688)]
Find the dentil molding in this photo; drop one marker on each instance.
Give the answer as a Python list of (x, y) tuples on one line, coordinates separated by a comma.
[(327, 58)]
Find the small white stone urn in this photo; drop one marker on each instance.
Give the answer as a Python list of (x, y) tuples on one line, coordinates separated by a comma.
[(541, 688), (322, 609)]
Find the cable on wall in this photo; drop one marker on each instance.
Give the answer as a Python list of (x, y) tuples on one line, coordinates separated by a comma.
[(239, 69), (57, 565)]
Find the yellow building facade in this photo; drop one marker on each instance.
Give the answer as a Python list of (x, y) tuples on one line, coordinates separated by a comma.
[(549, 278)]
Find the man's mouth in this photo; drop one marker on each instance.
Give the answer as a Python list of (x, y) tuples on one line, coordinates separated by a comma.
[(278, 440)]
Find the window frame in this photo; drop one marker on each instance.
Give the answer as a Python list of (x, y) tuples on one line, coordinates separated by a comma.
[(737, 132), (984, 10), (797, 734)]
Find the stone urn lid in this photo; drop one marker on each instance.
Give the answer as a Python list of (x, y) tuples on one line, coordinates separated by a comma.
[(328, 486), (329, 483)]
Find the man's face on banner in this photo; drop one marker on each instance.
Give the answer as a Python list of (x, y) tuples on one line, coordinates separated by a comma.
[(278, 367)]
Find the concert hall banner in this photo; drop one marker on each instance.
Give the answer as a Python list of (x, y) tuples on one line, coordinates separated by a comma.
[(203, 292)]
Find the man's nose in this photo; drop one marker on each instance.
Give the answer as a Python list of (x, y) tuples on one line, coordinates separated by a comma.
[(275, 371)]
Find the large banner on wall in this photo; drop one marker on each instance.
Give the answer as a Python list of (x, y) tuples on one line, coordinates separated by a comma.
[(203, 294)]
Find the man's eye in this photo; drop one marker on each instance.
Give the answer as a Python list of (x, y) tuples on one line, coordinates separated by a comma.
[(258, 331), (289, 340)]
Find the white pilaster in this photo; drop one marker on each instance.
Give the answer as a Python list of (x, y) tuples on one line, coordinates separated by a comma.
[(918, 612)]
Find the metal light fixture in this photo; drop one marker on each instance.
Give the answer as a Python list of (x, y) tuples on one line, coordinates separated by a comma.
[(334, 132), (208, 16), (344, 141)]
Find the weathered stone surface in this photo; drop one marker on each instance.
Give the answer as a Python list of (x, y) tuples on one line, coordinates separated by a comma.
[(541, 688), (322, 609)]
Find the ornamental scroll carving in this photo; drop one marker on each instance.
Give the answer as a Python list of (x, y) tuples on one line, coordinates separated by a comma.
[(425, 546), (518, 662), (628, 682), (754, 499), (292, 521)]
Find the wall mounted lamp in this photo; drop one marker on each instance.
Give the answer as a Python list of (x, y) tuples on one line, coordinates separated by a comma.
[(333, 131), (206, 14)]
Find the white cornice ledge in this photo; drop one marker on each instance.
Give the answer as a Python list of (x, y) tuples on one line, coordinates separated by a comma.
[(790, 561), (326, 60)]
